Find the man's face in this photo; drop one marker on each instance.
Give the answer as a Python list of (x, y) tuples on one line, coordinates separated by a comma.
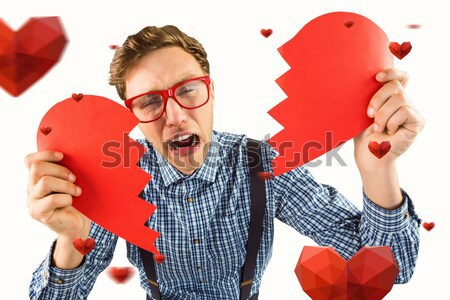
[(182, 136)]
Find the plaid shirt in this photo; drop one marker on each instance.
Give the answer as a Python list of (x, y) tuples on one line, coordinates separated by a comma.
[(203, 221)]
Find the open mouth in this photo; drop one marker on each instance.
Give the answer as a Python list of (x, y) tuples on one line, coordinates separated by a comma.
[(184, 142)]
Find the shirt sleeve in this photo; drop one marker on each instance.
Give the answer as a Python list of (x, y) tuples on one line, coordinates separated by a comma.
[(320, 212), (49, 282)]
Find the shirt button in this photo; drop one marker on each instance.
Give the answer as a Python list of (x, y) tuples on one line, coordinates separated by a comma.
[(59, 281), (406, 216), (190, 200), (196, 241)]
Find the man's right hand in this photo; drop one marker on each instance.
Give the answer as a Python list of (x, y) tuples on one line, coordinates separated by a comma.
[(51, 188)]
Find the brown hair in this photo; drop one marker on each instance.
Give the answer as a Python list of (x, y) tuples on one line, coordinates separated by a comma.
[(145, 41)]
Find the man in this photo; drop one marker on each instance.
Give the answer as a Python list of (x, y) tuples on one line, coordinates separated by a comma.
[(201, 184)]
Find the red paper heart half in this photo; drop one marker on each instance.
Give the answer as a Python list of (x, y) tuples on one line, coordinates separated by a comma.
[(93, 135), (84, 246), (325, 275), (159, 258), (328, 87), (379, 150), (29, 53), (120, 274)]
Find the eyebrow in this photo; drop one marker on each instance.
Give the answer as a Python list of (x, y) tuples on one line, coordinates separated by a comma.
[(185, 76)]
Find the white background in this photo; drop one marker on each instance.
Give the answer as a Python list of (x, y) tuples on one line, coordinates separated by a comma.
[(244, 65)]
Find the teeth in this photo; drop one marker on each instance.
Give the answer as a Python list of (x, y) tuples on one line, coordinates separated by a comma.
[(180, 138)]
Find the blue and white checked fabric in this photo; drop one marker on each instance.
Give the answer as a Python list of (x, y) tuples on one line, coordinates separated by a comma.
[(203, 220)]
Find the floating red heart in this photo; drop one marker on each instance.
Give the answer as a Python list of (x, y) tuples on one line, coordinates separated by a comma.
[(428, 226), (400, 51), (45, 130), (120, 274), (77, 97), (84, 246), (159, 258), (348, 23), (329, 86), (414, 26), (379, 150), (266, 32), (368, 275), (29, 53), (113, 47), (265, 175), (93, 135)]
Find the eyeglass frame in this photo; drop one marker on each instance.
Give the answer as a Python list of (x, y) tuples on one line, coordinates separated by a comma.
[(170, 92)]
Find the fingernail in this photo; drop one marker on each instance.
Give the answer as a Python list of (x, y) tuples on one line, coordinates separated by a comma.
[(381, 75), (72, 177), (376, 127), (57, 155), (370, 112), (78, 191)]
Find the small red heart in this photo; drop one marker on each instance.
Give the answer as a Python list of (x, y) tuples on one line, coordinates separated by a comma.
[(77, 97), (120, 274), (379, 150), (84, 246), (45, 130), (428, 226), (414, 26), (348, 24), (265, 175), (159, 258), (113, 47), (266, 32), (400, 51)]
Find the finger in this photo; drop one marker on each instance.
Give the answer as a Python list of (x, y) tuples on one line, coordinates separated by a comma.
[(48, 185), (386, 111), (392, 74), (51, 156), (41, 168), (383, 95), (396, 120), (43, 209)]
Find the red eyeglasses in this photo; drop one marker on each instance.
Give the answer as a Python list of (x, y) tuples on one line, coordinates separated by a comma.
[(189, 94)]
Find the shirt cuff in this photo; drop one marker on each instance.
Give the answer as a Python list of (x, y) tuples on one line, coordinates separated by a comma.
[(389, 220), (60, 278)]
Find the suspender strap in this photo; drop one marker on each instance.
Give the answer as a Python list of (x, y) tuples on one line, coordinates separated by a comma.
[(257, 208), (150, 271)]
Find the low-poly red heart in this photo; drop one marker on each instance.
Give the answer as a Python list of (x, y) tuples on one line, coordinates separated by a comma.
[(379, 150), (328, 86), (77, 97), (428, 226), (84, 246), (266, 32), (93, 135), (120, 274), (400, 51), (368, 275), (45, 130), (159, 258), (29, 53)]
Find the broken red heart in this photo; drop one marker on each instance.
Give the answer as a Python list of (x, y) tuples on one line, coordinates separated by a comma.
[(348, 24), (428, 226), (379, 150), (45, 130), (400, 51), (369, 274), (120, 274), (29, 53), (84, 246), (93, 135), (328, 87), (159, 258), (265, 175), (266, 32), (77, 97)]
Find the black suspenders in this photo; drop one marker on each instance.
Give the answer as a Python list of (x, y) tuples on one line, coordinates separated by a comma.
[(257, 208)]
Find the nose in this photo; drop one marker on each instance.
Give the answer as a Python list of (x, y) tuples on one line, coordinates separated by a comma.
[(175, 114)]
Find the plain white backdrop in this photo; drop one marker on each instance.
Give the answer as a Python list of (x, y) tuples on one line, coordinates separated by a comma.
[(244, 66)]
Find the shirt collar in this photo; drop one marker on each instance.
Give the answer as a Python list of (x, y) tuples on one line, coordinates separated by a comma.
[(207, 172)]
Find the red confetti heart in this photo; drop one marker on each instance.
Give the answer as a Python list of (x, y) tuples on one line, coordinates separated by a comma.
[(379, 150), (100, 152), (369, 274), (400, 51), (414, 26), (348, 24), (120, 274), (77, 97), (266, 32), (328, 88), (428, 226), (113, 47), (28, 54), (159, 258), (84, 246), (45, 130), (265, 175)]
